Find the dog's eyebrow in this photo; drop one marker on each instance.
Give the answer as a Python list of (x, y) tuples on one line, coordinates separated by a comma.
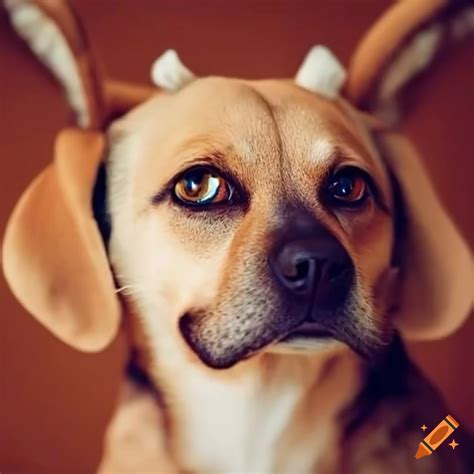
[(205, 145), (323, 151)]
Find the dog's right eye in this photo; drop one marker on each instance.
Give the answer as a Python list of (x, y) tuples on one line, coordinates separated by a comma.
[(201, 186)]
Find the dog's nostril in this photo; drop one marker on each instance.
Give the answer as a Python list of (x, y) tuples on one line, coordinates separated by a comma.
[(298, 272)]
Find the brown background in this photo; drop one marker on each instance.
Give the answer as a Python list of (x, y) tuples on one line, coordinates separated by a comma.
[(55, 401)]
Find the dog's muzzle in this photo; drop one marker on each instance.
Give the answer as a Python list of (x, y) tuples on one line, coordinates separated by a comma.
[(301, 291), (315, 274)]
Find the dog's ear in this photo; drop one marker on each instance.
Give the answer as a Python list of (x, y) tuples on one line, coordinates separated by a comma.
[(436, 268), (54, 258)]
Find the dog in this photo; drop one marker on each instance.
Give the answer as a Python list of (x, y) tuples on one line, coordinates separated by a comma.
[(264, 238), (271, 249)]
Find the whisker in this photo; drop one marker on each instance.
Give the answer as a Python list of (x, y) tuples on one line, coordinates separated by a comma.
[(128, 289)]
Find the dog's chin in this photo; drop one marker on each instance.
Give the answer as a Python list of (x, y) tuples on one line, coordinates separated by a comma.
[(219, 348)]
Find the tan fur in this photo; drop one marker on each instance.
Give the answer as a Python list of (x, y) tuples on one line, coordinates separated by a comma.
[(280, 141)]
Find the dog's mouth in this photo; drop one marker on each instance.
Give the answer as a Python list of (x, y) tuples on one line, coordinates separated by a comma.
[(218, 349), (308, 337), (308, 331)]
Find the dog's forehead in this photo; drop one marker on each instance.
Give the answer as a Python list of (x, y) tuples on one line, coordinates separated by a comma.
[(254, 125), (234, 109), (235, 98)]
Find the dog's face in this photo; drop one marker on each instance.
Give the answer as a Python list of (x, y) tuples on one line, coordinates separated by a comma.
[(250, 216), (246, 216)]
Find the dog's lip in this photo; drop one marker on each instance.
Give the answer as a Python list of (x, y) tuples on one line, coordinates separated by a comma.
[(308, 330)]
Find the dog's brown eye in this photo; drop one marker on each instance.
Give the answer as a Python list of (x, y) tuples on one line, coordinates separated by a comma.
[(348, 187), (201, 186)]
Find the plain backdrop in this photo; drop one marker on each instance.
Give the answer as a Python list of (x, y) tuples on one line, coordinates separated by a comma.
[(55, 401)]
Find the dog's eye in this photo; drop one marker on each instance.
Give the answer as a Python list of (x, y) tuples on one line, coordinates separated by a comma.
[(201, 186), (348, 187)]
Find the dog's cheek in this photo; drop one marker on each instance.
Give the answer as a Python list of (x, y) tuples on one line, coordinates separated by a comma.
[(371, 249), (173, 276), (204, 235)]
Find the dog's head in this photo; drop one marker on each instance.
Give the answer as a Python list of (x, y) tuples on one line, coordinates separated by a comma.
[(258, 214), (245, 216)]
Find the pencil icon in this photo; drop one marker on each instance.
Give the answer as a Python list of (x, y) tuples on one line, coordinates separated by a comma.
[(436, 437)]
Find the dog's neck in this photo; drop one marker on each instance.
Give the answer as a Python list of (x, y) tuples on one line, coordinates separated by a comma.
[(272, 411)]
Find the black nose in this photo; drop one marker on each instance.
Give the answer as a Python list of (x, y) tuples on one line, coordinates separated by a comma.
[(309, 262)]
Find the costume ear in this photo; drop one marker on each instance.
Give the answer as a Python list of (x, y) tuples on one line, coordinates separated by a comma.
[(436, 266), (58, 39), (53, 256), (401, 45)]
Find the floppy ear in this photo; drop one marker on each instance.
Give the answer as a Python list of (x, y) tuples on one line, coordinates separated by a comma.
[(436, 266), (53, 255), (437, 281)]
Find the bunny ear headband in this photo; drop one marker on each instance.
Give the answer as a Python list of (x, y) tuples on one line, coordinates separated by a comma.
[(53, 255)]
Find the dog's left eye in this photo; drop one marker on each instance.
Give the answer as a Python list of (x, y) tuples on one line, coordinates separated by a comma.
[(348, 187), (201, 186)]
